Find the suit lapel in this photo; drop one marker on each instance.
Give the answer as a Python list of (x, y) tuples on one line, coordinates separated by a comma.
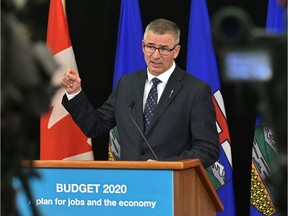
[(139, 91), (172, 88)]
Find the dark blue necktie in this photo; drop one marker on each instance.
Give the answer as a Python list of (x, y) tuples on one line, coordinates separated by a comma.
[(151, 103)]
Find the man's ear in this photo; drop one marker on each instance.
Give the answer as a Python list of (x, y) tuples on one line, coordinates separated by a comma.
[(176, 51)]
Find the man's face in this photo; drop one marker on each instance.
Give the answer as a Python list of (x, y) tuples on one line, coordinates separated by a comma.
[(157, 63)]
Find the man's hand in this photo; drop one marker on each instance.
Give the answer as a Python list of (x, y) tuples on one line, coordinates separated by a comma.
[(71, 81)]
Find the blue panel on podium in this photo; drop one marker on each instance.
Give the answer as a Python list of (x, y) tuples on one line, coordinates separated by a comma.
[(66, 191)]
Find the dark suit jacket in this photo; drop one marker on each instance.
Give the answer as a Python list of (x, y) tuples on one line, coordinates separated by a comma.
[(183, 127)]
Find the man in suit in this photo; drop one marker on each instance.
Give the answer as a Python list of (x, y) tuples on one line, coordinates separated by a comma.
[(182, 126)]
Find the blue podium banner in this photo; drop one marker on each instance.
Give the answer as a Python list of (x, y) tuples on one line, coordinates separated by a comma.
[(101, 192)]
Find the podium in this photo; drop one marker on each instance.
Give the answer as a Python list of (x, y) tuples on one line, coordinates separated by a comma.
[(180, 188)]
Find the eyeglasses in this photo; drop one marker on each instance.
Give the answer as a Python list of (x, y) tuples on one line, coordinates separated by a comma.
[(162, 51)]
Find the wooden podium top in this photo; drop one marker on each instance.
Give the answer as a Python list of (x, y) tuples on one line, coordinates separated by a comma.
[(167, 165), (157, 165)]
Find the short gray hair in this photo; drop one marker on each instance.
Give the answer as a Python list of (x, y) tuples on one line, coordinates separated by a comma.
[(164, 26)]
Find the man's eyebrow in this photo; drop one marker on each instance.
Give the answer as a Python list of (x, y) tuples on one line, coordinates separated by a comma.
[(151, 44), (160, 46)]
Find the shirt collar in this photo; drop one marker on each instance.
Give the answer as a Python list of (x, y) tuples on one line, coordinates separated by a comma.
[(162, 77)]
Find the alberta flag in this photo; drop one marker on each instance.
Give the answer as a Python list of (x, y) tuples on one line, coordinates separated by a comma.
[(265, 148), (201, 62), (60, 137), (129, 55)]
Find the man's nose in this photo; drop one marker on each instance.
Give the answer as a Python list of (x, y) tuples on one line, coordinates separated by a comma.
[(157, 53)]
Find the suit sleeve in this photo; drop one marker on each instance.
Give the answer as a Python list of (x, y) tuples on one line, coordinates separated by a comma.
[(93, 122)]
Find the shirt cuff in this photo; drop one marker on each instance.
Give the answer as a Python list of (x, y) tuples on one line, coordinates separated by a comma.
[(70, 96)]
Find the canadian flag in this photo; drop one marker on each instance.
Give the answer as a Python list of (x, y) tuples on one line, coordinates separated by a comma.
[(60, 137)]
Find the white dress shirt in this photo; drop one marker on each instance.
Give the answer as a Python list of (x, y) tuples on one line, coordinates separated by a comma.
[(164, 77)]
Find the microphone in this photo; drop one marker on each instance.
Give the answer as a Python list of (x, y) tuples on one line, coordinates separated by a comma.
[(132, 104)]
